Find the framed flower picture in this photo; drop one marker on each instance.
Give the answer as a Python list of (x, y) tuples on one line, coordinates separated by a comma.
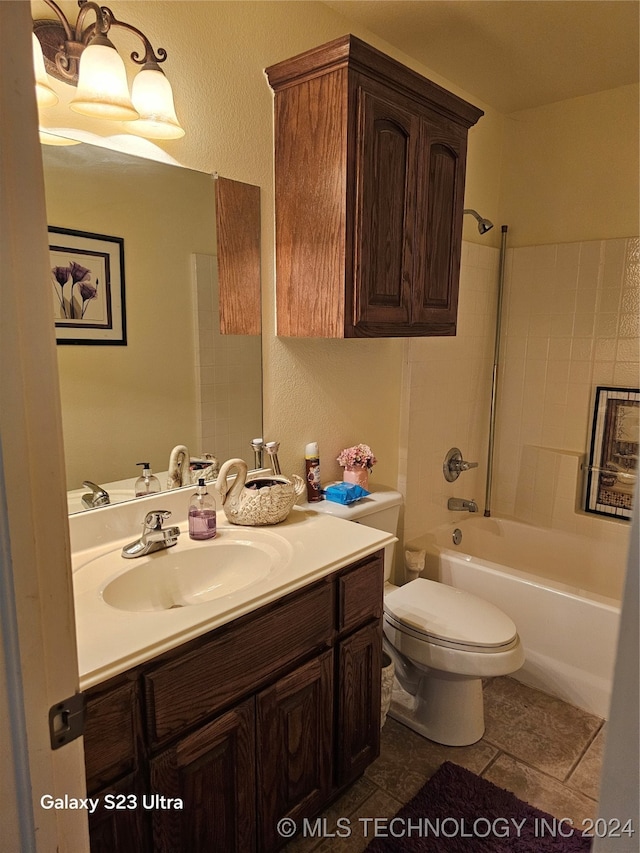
[(612, 470), (87, 282)]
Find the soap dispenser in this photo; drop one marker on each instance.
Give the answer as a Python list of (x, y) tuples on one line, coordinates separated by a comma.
[(146, 484), (202, 513)]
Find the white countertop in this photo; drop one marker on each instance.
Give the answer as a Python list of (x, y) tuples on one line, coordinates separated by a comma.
[(111, 640)]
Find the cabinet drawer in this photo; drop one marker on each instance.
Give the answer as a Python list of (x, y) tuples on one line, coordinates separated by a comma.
[(360, 593), (237, 660), (110, 735)]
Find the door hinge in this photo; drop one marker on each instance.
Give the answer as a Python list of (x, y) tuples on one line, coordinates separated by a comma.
[(66, 720)]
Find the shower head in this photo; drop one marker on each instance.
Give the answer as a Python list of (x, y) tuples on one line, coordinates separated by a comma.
[(484, 225)]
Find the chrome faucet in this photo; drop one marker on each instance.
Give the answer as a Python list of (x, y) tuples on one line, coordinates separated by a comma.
[(96, 497), (454, 465), (459, 504), (154, 537)]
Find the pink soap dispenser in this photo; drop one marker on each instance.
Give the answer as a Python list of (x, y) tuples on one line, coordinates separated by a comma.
[(202, 514)]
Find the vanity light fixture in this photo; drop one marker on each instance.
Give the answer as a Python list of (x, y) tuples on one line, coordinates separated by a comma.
[(83, 55)]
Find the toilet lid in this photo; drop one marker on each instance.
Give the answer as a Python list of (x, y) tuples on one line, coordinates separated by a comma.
[(449, 615)]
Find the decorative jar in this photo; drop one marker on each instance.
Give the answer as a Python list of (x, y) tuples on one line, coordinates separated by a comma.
[(356, 474)]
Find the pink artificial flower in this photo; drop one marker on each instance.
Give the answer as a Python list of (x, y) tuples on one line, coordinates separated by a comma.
[(358, 456)]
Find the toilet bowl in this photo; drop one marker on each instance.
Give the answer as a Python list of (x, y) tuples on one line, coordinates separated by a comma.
[(443, 641)]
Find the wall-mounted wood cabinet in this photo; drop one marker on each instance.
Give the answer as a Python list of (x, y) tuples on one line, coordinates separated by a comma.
[(369, 191), (266, 718)]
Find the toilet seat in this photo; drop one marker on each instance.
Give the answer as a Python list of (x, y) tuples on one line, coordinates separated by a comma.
[(442, 615)]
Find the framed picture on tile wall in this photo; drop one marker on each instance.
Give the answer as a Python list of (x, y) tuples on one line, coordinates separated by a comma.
[(87, 282), (612, 469)]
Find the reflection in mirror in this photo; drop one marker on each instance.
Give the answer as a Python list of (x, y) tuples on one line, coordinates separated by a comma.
[(177, 381)]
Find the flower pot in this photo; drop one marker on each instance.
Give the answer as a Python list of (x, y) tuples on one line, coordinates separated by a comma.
[(357, 475)]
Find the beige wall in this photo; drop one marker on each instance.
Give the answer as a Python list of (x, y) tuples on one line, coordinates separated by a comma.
[(571, 170), (335, 392), (565, 172), (448, 389), (126, 404)]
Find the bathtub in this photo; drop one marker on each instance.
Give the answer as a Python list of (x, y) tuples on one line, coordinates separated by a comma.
[(551, 584)]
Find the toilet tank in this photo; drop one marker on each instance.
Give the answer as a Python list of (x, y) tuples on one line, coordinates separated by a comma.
[(380, 509)]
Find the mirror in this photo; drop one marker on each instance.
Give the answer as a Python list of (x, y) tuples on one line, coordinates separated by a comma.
[(176, 380)]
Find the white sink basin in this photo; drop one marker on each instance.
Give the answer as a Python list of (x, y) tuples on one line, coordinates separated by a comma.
[(192, 573)]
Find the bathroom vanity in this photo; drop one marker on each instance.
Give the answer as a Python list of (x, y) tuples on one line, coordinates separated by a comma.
[(260, 705), (370, 162)]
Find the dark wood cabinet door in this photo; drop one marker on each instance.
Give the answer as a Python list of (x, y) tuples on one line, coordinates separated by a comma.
[(119, 823), (112, 734), (385, 210), (438, 225), (359, 677), (213, 773), (294, 747)]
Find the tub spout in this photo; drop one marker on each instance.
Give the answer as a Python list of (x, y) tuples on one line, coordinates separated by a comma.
[(460, 504)]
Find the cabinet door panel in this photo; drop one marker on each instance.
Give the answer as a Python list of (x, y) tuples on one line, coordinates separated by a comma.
[(384, 210), (213, 772), (294, 739), (358, 735), (310, 206), (123, 825), (439, 225), (111, 734)]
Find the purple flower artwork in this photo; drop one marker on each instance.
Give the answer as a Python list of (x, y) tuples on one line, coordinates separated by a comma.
[(87, 280), (74, 289)]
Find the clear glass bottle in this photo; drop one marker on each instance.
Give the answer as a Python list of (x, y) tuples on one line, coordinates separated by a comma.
[(202, 514), (146, 484)]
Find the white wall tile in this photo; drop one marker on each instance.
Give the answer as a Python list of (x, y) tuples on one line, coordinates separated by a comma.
[(549, 372)]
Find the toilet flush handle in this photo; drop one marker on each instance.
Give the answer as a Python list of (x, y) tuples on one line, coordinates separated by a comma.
[(454, 465)]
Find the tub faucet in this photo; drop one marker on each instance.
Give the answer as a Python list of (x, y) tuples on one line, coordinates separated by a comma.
[(96, 497), (154, 537), (458, 504)]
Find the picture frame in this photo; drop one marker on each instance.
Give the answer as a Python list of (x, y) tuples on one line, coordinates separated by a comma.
[(88, 284), (612, 468)]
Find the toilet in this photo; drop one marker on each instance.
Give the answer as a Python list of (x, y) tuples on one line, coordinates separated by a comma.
[(443, 641)]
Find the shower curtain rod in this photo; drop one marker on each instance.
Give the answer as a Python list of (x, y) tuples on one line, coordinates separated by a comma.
[(494, 379)]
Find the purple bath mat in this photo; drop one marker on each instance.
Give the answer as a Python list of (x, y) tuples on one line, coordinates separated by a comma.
[(458, 812)]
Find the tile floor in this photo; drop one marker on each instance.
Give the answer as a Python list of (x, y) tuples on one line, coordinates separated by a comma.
[(548, 753)]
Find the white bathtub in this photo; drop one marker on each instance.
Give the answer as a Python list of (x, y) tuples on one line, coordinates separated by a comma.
[(569, 630)]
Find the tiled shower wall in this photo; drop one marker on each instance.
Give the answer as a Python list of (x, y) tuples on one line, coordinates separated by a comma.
[(570, 323)]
